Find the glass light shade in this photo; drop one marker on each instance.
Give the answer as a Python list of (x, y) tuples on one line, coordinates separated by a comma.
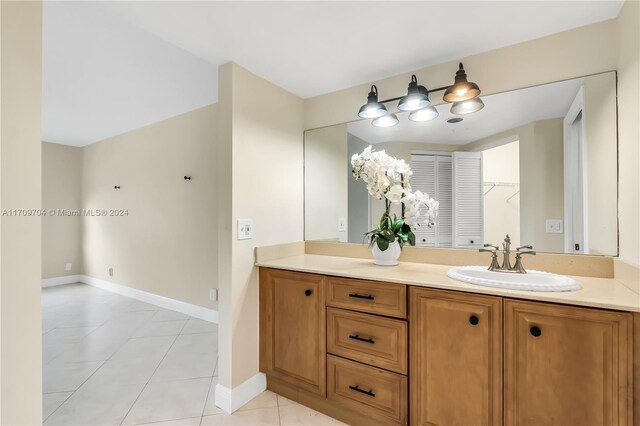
[(414, 102), (467, 107), (388, 120), (461, 90), (373, 108), (424, 114)]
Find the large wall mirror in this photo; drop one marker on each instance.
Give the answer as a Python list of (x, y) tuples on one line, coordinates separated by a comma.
[(545, 171)]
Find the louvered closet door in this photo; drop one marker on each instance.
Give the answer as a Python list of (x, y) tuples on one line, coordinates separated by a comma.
[(432, 175), (467, 200)]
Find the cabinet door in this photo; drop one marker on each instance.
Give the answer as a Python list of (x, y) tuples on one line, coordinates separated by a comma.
[(566, 365), (455, 364), (292, 328)]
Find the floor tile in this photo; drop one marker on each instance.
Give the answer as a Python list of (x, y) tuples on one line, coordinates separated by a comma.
[(125, 371), (51, 402), (266, 399), (199, 326), (210, 407), (137, 305), (203, 343), (67, 377), (152, 348), (91, 348), (169, 400), (96, 405), (262, 416), (167, 315), (296, 414), (193, 421), (180, 364), (161, 328), (66, 335), (283, 402)]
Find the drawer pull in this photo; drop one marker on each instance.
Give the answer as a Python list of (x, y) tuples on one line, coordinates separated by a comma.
[(357, 389), (474, 320), (362, 339), (361, 296), (308, 292), (535, 331)]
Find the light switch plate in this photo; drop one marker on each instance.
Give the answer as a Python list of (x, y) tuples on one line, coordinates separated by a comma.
[(245, 229), (67, 266), (213, 294), (342, 224), (553, 226)]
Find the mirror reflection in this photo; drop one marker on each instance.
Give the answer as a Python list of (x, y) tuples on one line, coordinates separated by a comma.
[(539, 164)]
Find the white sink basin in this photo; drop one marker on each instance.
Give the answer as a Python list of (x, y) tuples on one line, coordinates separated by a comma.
[(531, 281)]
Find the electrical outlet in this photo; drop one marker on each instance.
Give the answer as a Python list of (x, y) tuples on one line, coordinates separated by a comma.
[(342, 224), (245, 229), (213, 294), (110, 271), (67, 266), (553, 226)]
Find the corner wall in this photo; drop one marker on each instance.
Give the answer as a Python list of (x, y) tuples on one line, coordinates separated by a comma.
[(20, 236), (166, 243), (61, 189), (262, 134)]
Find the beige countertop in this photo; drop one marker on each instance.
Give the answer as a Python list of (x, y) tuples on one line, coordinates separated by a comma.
[(607, 293)]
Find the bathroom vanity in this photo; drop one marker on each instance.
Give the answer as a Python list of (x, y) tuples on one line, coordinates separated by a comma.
[(408, 345)]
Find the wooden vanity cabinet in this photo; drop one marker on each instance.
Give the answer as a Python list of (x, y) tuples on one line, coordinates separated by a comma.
[(566, 365), (455, 373), (292, 329)]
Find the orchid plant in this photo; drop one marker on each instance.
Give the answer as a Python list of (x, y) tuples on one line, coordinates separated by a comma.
[(388, 178)]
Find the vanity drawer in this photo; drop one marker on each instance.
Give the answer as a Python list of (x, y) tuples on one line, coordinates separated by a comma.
[(381, 342), (375, 393), (367, 296)]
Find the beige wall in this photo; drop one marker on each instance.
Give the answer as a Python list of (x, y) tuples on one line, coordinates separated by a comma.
[(541, 179), (325, 179), (501, 203), (61, 189), (167, 244), (601, 158), (628, 65), (264, 137), (20, 237)]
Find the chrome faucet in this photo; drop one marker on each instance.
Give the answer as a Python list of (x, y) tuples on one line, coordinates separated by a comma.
[(506, 261)]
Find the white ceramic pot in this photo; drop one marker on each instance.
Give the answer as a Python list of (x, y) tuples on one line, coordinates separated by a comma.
[(388, 257)]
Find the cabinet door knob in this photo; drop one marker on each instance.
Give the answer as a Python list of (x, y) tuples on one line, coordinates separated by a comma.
[(535, 331), (474, 320), (308, 292)]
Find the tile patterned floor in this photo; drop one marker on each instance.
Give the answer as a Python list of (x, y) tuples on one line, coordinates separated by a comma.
[(111, 360)]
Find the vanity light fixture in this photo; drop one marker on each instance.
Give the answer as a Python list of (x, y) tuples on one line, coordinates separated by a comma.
[(463, 94), (417, 97), (461, 90), (388, 120), (373, 108), (424, 114), (467, 107)]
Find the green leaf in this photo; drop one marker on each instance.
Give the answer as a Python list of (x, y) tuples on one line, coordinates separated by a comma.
[(382, 244), (388, 235), (412, 238), (397, 225)]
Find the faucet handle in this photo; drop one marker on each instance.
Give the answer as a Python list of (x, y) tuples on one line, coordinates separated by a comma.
[(520, 253), (491, 245), (525, 247), (487, 250)]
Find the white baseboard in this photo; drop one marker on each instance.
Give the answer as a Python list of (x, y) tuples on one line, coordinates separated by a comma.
[(195, 311), (231, 400), (69, 279)]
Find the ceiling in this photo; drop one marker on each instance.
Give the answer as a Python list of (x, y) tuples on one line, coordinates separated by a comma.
[(502, 112), (110, 67)]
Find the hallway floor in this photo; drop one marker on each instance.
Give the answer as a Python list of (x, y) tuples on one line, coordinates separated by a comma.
[(111, 360)]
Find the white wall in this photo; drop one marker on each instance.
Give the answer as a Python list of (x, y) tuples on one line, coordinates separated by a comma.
[(61, 189), (20, 236)]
